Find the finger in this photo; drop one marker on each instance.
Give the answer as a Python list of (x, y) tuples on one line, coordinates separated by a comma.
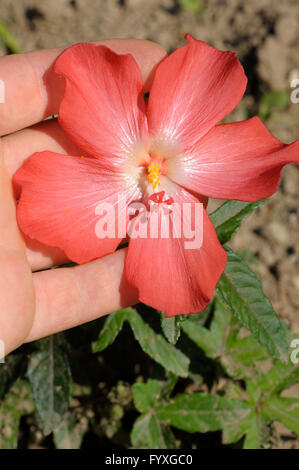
[(16, 288), (9, 232), (41, 256), (47, 135), (17, 148), (68, 297), (33, 91)]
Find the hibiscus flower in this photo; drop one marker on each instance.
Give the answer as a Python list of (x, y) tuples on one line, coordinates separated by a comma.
[(168, 149)]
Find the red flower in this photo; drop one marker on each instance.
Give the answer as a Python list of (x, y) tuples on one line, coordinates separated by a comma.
[(137, 151)]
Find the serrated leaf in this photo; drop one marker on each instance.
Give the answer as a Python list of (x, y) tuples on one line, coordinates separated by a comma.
[(280, 377), (247, 351), (254, 432), (17, 402), (146, 395), (211, 340), (70, 432), (247, 426), (242, 292), (157, 347), (285, 410), (237, 355), (199, 412), (201, 336), (151, 343), (150, 433), (240, 359), (171, 328), (48, 372), (112, 327), (228, 217)]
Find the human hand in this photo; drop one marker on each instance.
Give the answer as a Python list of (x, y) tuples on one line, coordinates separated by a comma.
[(35, 302)]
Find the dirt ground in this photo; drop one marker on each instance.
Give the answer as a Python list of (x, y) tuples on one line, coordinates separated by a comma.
[(265, 35)]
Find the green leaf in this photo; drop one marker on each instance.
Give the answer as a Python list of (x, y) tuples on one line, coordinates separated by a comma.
[(285, 410), (248, 426), (7, 38), (18, 402), (112, 327), (212, 340), (171, 327), (242, 292), (150, 433), (201, 336), (194, 6), (279, 378), (275, 99), (199, 412), (146, 395), (151, 343), (237, 355), (70, 432), (254, 432), (241, 357), (49, 375), (157, 347), (228, 217)]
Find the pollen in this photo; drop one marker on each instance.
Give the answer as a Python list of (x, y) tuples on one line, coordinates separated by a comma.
[(153, 174)]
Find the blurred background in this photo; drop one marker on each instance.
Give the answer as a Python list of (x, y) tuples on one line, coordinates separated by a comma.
[(264, 34)]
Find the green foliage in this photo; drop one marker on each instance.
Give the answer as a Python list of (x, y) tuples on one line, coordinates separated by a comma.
[(152, 344), (200, 412), (48, 372), (18, 402), (285, 410), (70, 432), (225, 369), (242, 292), (243, 358), (8, 39), (149, 431), (274, 100), (193, 6), (171, 327), (228, 217)]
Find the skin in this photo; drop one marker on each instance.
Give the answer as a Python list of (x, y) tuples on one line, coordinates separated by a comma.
[(35, 302)]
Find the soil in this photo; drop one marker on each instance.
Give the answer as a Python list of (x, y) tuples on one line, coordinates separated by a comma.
[(265, 35)]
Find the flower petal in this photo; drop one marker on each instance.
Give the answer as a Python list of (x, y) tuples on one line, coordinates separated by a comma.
[(171, 277), (103, 109), (193, 89), (58, 204), (240, 161)]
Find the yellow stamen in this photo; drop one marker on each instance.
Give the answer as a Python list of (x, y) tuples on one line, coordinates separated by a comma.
[(153, 174)]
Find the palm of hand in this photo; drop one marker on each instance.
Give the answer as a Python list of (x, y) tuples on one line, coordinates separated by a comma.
[(35, 302)]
